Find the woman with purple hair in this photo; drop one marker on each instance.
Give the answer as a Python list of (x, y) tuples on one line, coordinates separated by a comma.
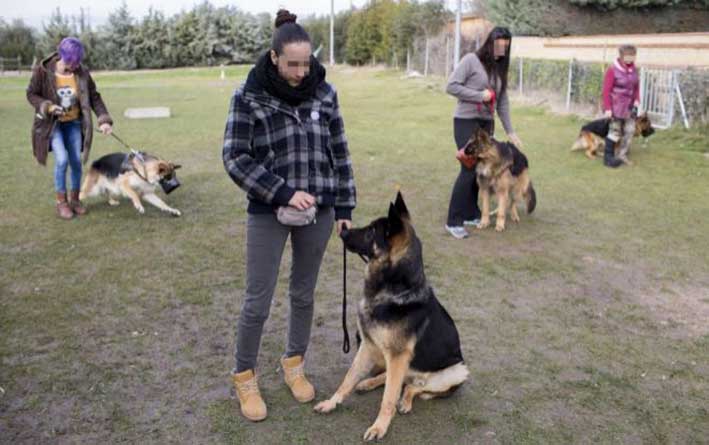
[(63, 94)]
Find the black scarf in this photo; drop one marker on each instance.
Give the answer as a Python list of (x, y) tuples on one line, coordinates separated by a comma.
[(264, 76)]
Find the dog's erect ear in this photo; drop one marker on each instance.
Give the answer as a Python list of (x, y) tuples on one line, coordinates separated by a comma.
[(468, 147), (483, 137), (394, 221), (400, 206), (175, 166)]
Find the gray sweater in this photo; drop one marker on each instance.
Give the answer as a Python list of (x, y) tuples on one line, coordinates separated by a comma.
[(467, 83)]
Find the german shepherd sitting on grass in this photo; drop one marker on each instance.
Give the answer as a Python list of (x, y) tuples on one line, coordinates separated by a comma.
[(408, 337), (501, 168)]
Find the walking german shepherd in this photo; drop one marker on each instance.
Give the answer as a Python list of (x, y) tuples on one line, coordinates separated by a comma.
[(408, 338), (592, 136), (501, 168)]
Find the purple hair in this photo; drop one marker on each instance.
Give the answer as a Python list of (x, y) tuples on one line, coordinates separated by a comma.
[(71, 50)]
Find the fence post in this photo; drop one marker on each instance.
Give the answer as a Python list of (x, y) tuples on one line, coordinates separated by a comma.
[(2, 65), (425, 65), (19, 64), (521, 74), (681, 100), (642, 89), (670, 87), (408, 60), (568, 88)]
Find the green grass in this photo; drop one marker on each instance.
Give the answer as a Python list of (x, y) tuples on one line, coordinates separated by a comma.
[(585, 323)]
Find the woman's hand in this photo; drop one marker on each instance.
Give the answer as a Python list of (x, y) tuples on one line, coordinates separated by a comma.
[(106, 128), (487, 95), (515, 140), (343, 222), (56, 110), (608, 114), (302, 200)]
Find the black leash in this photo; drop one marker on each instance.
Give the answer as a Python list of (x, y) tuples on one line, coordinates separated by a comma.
[(346, 340), (118, 139)]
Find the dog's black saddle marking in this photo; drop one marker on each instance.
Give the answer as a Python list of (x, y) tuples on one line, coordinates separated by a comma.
[(599, 127), (438, 344), (510, 152), (112, 165)]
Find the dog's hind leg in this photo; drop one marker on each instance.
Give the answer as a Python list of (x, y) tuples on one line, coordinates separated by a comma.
[(406, 403), (159, 203), (371, 383), (89, 182), (445, 382)]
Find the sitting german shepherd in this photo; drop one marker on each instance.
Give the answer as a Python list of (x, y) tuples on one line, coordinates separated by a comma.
[(408, 337), (501, 168), (592, 135)]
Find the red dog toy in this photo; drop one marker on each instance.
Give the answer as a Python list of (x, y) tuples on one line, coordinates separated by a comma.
[(468, 161)]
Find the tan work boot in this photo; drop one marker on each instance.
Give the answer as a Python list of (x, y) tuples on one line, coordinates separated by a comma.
[(252, 405), (75, 203), (63, 209), (293, 373)]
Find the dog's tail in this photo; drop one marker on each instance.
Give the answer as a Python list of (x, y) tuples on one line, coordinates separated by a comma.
[(89, 183), (530, 196), (578, 144)]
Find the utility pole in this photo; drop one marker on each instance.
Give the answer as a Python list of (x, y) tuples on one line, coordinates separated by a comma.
[(456, 51), (332, 32)]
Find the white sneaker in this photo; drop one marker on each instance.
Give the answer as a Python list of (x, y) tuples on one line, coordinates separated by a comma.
[(458, 232), (473, 222)]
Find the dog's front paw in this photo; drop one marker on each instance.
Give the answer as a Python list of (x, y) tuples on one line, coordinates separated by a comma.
[(514, 217), (113, 202), (140, 209), (483, 224), (175, 212), (375, 432), (325, 406), (500, 227)]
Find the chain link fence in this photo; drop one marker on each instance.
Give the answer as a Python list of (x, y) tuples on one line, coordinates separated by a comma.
[(566, 85)]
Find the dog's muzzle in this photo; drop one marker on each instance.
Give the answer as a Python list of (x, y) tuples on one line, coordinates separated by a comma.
[(169, 183)]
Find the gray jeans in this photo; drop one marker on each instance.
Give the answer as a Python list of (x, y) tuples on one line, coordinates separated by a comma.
[(622, 130), (265, 241)]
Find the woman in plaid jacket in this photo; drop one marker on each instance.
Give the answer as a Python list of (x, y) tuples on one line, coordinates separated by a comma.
[(285, 145)]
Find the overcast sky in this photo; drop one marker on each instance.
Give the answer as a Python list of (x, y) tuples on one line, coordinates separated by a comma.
[(34, 12)]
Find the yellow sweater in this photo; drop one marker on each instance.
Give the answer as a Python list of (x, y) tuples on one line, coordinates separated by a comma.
[(68, 96)]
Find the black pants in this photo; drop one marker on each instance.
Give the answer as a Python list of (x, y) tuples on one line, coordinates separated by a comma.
[(464, 199)]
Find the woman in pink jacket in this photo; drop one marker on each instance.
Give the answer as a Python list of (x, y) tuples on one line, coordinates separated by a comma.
[(621, 98)]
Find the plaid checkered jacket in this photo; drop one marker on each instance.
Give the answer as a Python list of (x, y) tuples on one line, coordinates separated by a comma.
[(272, 149)]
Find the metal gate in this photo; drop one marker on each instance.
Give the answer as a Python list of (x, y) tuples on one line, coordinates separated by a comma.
[(658, 90)]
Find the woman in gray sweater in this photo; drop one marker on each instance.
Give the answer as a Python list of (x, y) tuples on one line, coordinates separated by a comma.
[(480, 85)]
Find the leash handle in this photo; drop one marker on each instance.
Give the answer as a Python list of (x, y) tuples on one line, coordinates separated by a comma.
[(346, 340)]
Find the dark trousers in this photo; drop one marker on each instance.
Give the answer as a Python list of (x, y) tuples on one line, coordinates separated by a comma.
[(265, 241), (464, 198)]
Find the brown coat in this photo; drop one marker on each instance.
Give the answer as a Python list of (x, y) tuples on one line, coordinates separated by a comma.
[(41, 93)]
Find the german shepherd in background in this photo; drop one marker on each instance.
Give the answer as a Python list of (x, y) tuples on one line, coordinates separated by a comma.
[(408, 337), (592, 135), (501, 168), (133, 175)]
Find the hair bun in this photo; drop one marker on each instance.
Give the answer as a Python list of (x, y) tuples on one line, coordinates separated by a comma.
[(284, 16)]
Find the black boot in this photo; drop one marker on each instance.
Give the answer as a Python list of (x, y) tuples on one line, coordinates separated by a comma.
[(609, 158)]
